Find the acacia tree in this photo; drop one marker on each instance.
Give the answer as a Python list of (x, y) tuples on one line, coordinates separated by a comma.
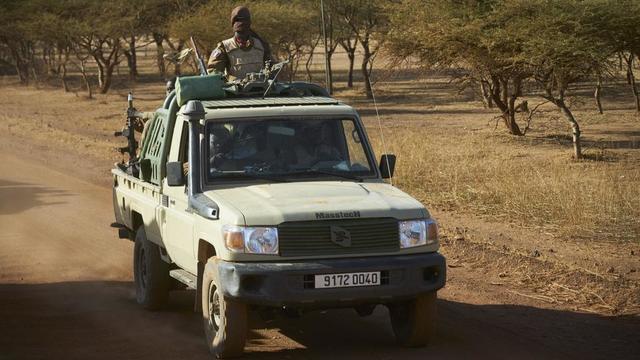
[(339, 34), (16, 19), (208, 23), (367, 22), (171, 22), (563, 48), (470, 35), (617, 25), (275, 21), (56, 46), (101, 37), (132, 30), (55, 28)]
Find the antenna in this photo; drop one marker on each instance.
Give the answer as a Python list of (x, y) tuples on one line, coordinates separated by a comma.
[(278, 67), (384, 145), (326, 51)]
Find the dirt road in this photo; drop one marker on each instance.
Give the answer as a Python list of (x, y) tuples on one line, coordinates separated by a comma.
[(66, 293)]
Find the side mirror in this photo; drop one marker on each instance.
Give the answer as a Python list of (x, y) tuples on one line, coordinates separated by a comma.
[(387, 165), (145, 169), (175, 176)]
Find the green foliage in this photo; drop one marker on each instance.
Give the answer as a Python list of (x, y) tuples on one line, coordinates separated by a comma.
[(561, 39), (289, 26), (208, 23), (472, 35)]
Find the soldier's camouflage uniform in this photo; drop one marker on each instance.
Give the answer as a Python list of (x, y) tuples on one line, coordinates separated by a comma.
[(236, 58)]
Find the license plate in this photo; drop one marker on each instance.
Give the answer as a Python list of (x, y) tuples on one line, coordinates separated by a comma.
[(347, 280)]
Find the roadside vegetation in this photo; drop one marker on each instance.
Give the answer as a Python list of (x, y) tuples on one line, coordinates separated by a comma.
[(528, 65)]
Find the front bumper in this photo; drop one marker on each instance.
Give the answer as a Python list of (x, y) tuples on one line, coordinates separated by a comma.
[(292, 283)]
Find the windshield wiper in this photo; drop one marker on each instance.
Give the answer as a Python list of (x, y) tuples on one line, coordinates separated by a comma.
[(252, 175), (261, 176), (324, 172)]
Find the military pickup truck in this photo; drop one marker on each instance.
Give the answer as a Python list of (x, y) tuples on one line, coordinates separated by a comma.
[(271, 199)]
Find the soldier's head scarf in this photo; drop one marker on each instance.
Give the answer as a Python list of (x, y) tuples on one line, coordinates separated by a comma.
[(241, 19)]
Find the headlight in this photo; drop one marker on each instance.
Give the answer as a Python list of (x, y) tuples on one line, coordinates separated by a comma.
[(418, 232), (251, 240), (261, 240)]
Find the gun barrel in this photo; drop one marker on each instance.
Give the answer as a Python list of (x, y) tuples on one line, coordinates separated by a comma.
[(199, 59)]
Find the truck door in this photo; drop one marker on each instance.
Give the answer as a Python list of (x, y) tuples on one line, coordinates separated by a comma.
[(178, 224), (178, 227)]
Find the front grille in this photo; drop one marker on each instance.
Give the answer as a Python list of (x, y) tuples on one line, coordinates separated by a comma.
[(313, 238)]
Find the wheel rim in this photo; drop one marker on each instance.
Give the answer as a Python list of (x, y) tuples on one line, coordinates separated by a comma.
[(214, 307)]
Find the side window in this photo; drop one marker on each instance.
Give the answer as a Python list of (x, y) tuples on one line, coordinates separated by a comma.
[(357, 157), (183, 155)]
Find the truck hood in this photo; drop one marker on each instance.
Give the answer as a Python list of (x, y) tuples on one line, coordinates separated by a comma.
[(274, 203)]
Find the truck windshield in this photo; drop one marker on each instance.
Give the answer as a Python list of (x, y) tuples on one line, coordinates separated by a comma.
[(281, 148)]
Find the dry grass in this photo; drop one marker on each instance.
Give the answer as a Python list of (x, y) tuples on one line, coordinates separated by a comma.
[(551, 282), (450, 156), (455, 161), (490, 174)]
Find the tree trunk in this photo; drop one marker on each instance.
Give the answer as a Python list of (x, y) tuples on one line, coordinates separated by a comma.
[(351, 54), (108, 78), (632, 81), (510, 118), (162, 69), (598, 94), (177, 71), (176, 49), (23, 72), (100, 73), (21, 65), (486, 95), (352, 59), (35, 75), (366, 72), (85, 78), (506, 103), (307, 67), (63, 77), (367, 80), (330, 71), (577, 147), (132, 59)]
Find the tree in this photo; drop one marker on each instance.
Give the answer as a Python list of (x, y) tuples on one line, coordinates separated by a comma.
[(274, 20), (101, 37), (563, 47), (339, 34), (56, 46), (16, 19), (368, 22), (156, 22), (208, 23), (617, 26), (469, 35)]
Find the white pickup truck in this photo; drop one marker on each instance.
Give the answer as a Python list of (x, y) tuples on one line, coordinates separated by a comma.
[(273, 202)]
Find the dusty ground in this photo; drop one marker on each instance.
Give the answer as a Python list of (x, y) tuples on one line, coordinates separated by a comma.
[(66, 292), (513, 290)]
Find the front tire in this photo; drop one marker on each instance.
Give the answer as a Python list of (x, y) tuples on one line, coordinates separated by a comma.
[(225, 320), (414, 322), (150, 273)]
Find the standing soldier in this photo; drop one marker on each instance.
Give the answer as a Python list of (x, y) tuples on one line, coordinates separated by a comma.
[(243, 53)]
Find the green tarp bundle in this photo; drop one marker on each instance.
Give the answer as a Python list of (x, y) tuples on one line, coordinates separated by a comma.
[(208, 87)]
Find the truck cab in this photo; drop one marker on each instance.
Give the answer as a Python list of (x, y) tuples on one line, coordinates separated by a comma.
[(274, 203)]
